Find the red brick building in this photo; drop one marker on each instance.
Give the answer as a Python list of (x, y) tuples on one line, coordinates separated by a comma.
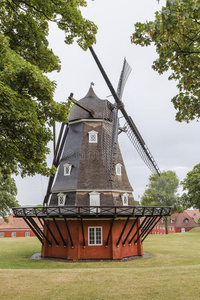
[(178, 222), (16, 227)]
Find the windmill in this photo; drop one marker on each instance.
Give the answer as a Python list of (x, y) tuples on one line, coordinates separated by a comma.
[(88, 211)]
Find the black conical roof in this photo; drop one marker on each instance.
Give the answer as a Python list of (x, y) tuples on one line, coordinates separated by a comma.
[(101, 108)]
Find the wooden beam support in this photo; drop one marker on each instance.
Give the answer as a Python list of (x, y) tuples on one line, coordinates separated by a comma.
[(130, 231), (83, 233), (49, 229), (153, 225), (149, 220), (39, 230), (66, 223), (146, 229), (117, 244), (33, 229), (143, 222), (109, 233), (60, 233)]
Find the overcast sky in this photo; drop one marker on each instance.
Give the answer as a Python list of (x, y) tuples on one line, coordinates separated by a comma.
[(147, 95)]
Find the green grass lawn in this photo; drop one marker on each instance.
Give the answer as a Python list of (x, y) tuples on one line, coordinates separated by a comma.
[(172, 273)]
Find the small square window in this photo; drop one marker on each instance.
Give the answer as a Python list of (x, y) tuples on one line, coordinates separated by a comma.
[(27, 234), (93, 136), (94, 201), (118, 169), (61, 199), (94, 236), (1, 234), (13, 234), (67, 169), (125, 199)]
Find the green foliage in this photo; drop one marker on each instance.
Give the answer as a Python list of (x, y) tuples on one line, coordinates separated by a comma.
[(27, 108), (161, 191), (8, 192), (136, 202), (182, 203), (176, 34), (198, 221), (192, 185)]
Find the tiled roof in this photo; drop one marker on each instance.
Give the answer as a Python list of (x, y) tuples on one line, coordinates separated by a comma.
[(194, 213), (16, 223), (181, 220)]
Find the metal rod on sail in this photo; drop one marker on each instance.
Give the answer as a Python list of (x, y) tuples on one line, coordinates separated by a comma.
[(120, 106)]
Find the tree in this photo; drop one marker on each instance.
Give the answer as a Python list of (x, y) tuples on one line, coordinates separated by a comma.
[(8, 192), (27, 108), (182, 203), (191, 184), (162, 191), (175, 32)]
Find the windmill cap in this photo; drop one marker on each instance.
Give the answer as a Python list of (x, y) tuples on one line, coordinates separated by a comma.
[(101, 108)]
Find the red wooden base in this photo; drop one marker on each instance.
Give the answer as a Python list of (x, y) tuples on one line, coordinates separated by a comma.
[(79, 252)]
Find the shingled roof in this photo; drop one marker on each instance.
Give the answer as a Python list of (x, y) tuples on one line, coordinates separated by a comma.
[(194, 213), (181, 220), (101, 108)]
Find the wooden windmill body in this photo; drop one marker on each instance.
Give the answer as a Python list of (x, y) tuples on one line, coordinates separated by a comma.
[(89, 210)]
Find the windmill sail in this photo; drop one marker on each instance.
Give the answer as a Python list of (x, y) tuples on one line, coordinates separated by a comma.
[(126, 70), (140, 145)]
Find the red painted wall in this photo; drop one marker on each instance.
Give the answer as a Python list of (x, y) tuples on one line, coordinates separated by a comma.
[(19, 233), (91, 251), (178, 229)]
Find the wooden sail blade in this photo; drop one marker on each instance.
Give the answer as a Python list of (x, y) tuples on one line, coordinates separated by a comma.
[(126, 70), (140, 144)]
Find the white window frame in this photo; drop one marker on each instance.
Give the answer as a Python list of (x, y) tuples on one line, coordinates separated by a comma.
[(1, 234), (59, 199), (95, 236), (27, 234), (118, 169), (13, 234), (94, 201), (67, 169), (93, 137), (182, 229), (125, 199)]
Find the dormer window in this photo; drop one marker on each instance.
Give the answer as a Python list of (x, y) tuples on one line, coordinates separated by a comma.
[(118, 169), (94, 201), (93, 136), (125, 199), (61, 199), (67, 169), (186, 221)]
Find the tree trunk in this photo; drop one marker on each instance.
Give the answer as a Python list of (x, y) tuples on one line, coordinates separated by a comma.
[(166, 225)]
